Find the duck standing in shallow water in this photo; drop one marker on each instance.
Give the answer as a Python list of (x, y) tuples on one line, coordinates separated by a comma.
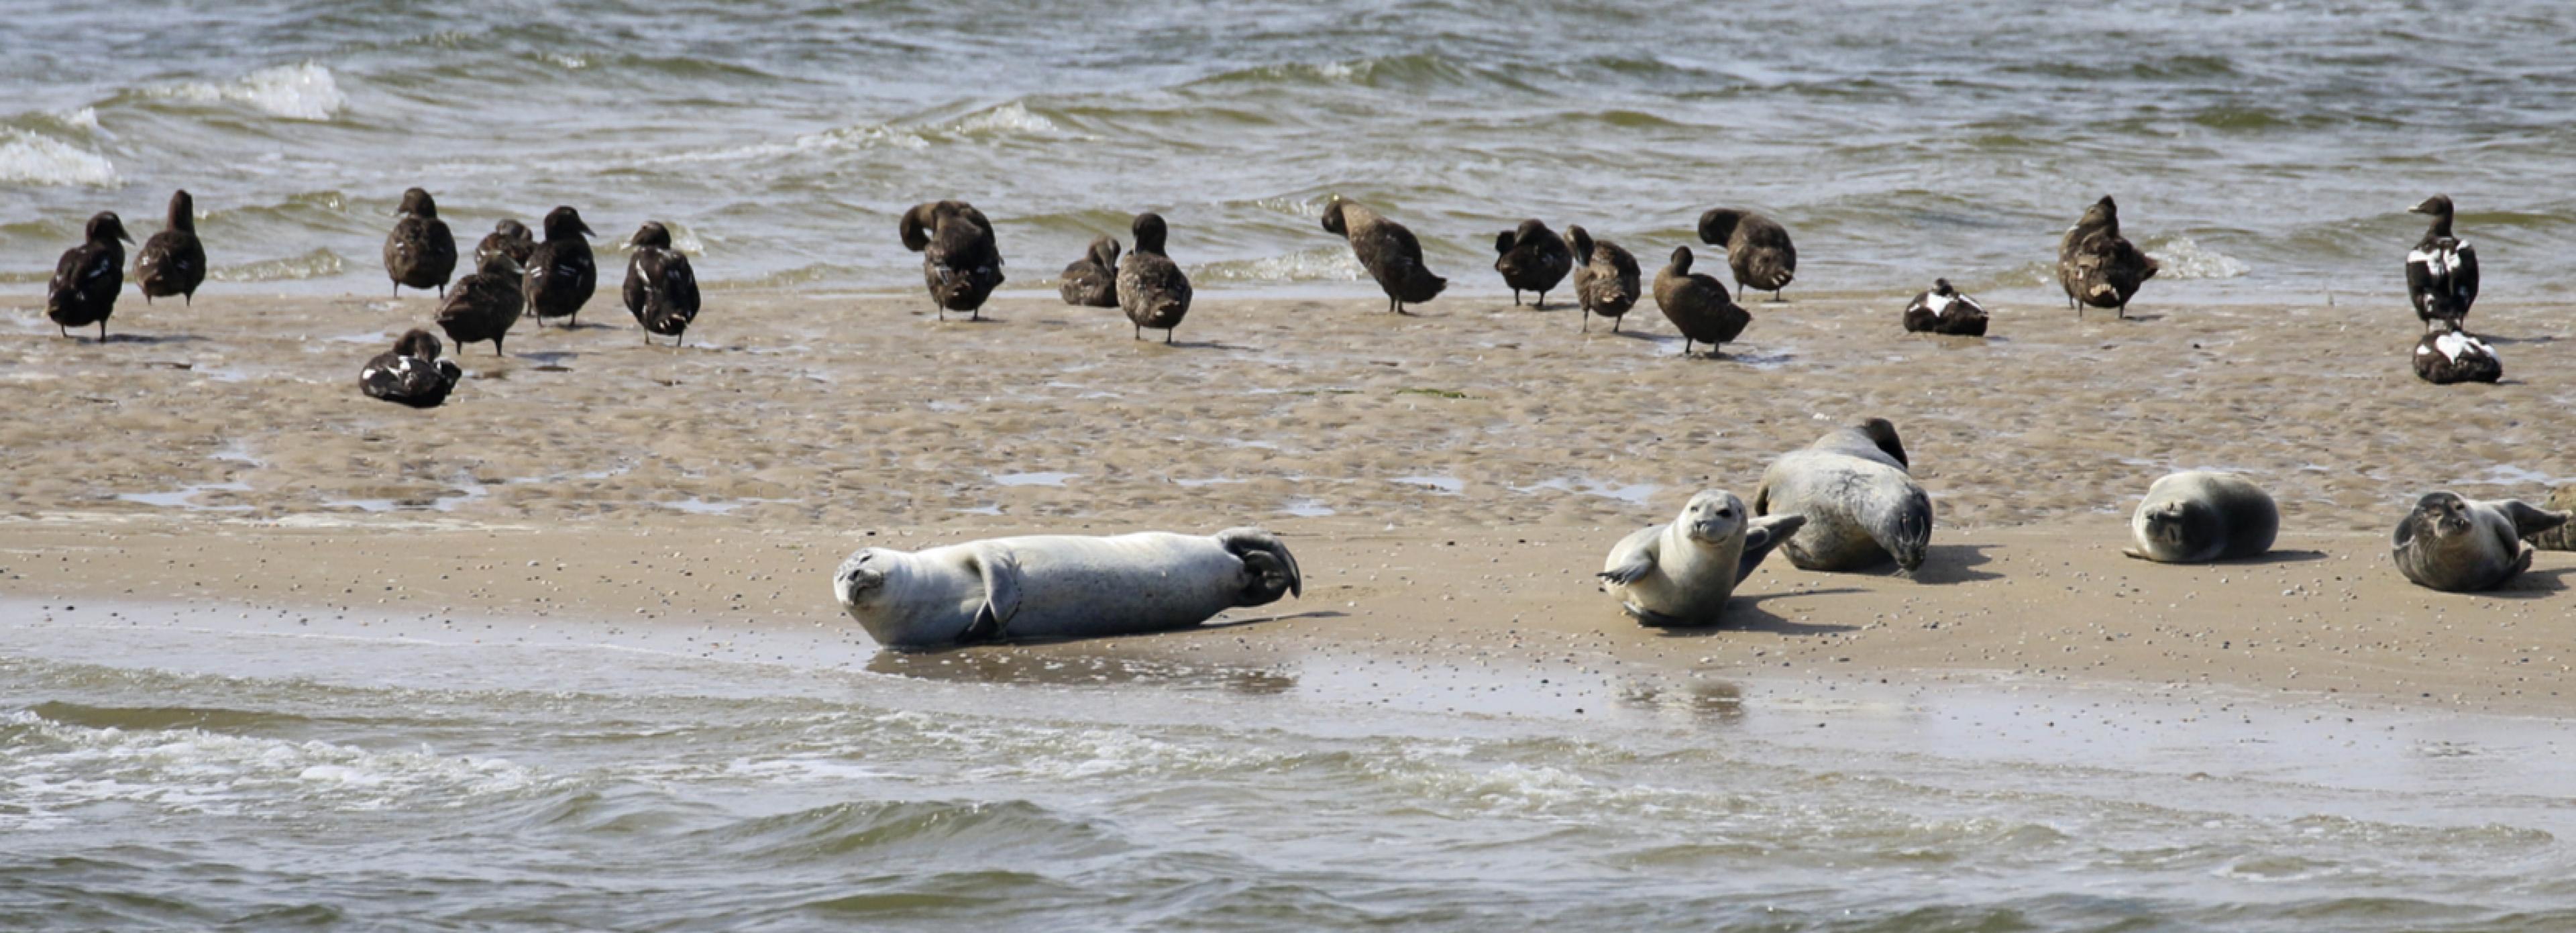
[(484, 306), (1388, 250), (1697, 305), (2099, 267), (1151, 287), (1533, 258), (661, 290), (1757, 249), (960, 261), (2449, 356), (420, 252), (1092, 281), (508, 238), (562, 273), (2441, 271), (88, 277), (1945, 310), (411, 373), (1607, 281), (173, 262)]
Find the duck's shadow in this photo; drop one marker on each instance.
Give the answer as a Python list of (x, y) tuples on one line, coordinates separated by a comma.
[(2545, 338), (1218, 346), (545, 358), (151, 339)]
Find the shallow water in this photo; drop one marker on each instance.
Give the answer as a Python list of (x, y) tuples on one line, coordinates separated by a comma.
[(164, 767), (2258, 147)]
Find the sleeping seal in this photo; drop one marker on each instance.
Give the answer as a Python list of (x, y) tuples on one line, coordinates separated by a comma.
[(2197, 516), (1060, 586), (1862, 508), (1681, 573), (2459, 545)]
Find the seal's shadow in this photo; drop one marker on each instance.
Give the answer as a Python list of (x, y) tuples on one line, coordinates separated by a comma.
[(1745, 614), (1945, 564), (2535, 584), (2275, 557)]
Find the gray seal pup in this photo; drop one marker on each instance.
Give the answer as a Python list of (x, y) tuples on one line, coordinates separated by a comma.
[(2460, 545), (1680, 573), (1060, 586), (1861, 505), (2198, 516)]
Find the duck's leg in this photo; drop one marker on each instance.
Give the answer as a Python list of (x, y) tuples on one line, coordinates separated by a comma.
[(1516, 297), (1167, 336)]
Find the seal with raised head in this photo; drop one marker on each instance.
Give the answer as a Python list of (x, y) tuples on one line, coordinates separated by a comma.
[(1060, 586), (2462, 545), (2198, 516), (1861, 505), (1680, 573)]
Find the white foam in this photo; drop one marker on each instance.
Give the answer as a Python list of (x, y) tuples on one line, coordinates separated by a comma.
[(1008, 118), (1319, 264), (56, 765), (30, 159), (2184, 259), (296, 92)]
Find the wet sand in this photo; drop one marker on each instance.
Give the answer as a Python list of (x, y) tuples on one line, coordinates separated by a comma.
[(1449, 481)]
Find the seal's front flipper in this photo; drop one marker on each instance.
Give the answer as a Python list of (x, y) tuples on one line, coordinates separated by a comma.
[(1634, 557), (2529, 521), (1001, 575), (1765, 534)]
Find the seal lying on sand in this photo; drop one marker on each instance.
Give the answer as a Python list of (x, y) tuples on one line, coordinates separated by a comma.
[(1861, 506), (2462, 545), (1681, 573), (2563, 537), (2197, 516), (1060, 586)]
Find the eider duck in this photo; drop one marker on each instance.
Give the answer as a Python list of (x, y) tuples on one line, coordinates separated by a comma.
[(510, 238), (2099, 267), (1944, 310), (1388, 250), (661, 289), (88, 277), (561, 273), (1757, 249), (1697, 305), (419, 253), (411, 373), (1607, 283), (2441, 271), (1533, 258), (172, 261), (1151, 288), (483, 306), (960, 262), (1092, 281), (2448, 356)]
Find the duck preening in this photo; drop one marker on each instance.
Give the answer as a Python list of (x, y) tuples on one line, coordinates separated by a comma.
[(960, 262), (1757, 249), (1945, 310), (1151, 288), (484, 305), (1532, 258), (2448, 356), (2441, 271), (1607, 282), (1092, 281), (88, 277), (562, 273), (411, 373), (661, 289), (420, 253), (173, 262), (1388, 250), (1697, 304), (510, 238), (2099, 267)]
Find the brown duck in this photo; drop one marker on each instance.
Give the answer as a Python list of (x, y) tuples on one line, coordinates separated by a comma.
[(1698, 304), (1757, 249), (1607, 282), (1388, 250), (2099, 267)]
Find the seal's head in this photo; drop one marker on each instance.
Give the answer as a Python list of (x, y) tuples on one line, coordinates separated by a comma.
[(1712, 517), (2437, 516), (862, 578), (2178, 527)]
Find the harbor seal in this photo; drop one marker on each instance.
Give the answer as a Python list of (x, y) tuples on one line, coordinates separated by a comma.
[(2562, 538), (2462, 545), (1060, 586), (1681, 573), (1861, 505), (2198, 516)]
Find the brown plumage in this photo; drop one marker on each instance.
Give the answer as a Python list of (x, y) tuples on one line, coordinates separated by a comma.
[(1945, 310), (1697, 304), (173, 262), (1388, 250), (1533, 258), (2099, 267), (1607, 282), (509, 238), (661, 290), (562, 273), (411, 373), (1757, 249), (484, 305), (1092, 281), (960, 261), (89, 276), (420, 253), (1151, 288)]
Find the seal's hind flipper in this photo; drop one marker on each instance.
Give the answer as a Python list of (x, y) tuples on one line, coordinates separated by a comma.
[(1764, 535), (1273, 570), (2529, 521), (1646, 616)]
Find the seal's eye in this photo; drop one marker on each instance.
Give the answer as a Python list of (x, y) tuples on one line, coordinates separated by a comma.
[(1726, 513)]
